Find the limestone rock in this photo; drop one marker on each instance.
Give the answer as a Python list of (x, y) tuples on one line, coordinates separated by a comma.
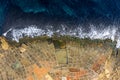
[(4, 43), (109, 65), (23, 48), (37, 59), (48, 77), (1, 55)]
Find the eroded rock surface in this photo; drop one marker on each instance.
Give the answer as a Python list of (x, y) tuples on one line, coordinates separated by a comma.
[(61, 58)]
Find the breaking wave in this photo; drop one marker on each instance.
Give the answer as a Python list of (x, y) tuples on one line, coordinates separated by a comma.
[(111, 32)]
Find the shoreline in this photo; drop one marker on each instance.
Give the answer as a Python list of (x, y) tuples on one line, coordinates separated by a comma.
[(64, 38)]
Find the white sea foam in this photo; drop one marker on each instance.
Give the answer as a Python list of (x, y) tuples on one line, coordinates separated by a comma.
[(107, 33), (4, 34)]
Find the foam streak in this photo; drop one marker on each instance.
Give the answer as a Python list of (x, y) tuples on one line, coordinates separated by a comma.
[(107, 33)]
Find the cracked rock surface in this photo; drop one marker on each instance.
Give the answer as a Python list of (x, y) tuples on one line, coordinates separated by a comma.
[(59, 58)]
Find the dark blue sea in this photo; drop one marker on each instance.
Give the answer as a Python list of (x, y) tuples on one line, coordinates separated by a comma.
[(94, 19)]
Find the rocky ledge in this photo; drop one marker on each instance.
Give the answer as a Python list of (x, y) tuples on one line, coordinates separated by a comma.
[(59, 58)]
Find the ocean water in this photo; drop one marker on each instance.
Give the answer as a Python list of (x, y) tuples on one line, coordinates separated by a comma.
[(94, 19)]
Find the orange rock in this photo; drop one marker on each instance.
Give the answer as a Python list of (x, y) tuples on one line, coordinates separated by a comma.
[(77, 74), (73, 70), (39, 72), (29, 78), (96, 66), (68, 78), (82, 73), (36, 72)]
